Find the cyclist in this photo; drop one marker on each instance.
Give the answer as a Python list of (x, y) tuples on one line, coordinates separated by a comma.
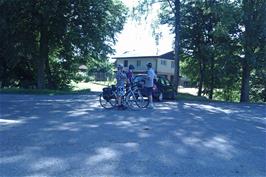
[(121, 77), (130, 74), (149, 83)]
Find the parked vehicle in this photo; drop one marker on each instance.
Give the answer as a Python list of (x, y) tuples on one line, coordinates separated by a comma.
[(163, 89)]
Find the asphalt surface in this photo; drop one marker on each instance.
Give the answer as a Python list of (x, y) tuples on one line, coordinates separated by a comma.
[(72, 135)]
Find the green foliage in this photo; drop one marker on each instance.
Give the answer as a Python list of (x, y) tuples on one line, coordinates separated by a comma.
[(258, 85), (254, 41), (62, 33), (43, 91), (99, 66), (227, 94), (207, 30), (222, 43), (189, 97), (254, 19)]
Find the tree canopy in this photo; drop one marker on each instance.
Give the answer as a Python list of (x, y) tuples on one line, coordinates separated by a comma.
[(219, 44), (44, 42), (222, 45)]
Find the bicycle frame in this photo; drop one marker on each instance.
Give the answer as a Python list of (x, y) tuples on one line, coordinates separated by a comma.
[(132, 98)]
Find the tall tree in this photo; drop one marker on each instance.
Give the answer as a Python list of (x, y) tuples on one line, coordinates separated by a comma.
[(254, 23), (258, 74), (56, 36), (193, 41), (248, 9), (170, 8), (177, 41), (210, 35), (212, 47)]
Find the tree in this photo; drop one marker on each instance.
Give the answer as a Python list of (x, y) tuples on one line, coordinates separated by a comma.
[(17, 47), (172, 9), (177, 41), (214, 37), (193, 41), (258, 74), (210, 38), (56, 36), (254, 41)]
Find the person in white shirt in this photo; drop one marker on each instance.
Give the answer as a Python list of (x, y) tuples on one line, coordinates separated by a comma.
[(149, 83)]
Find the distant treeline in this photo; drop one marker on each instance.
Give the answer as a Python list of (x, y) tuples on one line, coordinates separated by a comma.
[(222, 45)]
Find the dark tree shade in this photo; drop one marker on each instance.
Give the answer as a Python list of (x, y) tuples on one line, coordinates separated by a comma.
[(55, 36)]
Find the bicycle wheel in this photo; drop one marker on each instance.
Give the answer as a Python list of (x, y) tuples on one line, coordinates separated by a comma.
[(131, 101), (144, 102), (107, 104), (135, 99)]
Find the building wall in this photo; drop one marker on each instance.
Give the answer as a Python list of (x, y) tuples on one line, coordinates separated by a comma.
[(141, 61), (162, 67), (165, 67)]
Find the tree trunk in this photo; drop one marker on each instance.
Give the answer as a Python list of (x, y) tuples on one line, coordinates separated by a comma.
[(248, 18), (49, 75), (245, 82), (43, 54), (40, 73), (264, 94), (177, 38), (210, 4), (212, 79), (4, 75), (201, 79)]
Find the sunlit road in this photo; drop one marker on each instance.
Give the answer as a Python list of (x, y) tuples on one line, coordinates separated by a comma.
[(71, 135)]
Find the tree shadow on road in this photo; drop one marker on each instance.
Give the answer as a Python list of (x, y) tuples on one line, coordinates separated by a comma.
[(74, 136)]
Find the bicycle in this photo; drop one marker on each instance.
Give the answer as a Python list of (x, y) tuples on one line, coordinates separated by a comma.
[(143, 91), (108, 97), (132, 99)]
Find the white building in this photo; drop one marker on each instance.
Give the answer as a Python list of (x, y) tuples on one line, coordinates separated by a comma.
[(162, 64)]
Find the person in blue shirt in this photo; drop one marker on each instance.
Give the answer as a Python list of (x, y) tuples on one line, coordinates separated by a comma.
[(149, 83)]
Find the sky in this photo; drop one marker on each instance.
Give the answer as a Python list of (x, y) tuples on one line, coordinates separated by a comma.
[(138, 36)]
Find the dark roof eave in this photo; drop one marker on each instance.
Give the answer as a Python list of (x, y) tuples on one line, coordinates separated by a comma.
[(168, 56), (152, 57), (136, 57)]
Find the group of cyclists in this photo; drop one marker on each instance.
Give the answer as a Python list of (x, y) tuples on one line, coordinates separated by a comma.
[(126, 78)]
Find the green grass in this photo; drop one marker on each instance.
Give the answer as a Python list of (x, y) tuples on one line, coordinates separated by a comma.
[(42, 91), (189, 97), (104, 83)]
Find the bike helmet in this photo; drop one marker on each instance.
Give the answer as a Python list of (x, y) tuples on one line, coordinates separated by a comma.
[(131, 67), (149, 65), (119, 66)]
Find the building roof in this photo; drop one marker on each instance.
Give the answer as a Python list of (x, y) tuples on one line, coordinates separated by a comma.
[(135, 55)]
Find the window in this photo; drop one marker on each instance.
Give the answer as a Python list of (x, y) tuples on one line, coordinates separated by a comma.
[(125, 63), (166, 82), (138, 63), (172, 64), (163, 62)]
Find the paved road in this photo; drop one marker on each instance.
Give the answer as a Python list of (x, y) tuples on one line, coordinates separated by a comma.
[(72, 136)]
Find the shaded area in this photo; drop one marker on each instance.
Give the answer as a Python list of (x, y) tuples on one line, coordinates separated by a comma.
[(70, 135)]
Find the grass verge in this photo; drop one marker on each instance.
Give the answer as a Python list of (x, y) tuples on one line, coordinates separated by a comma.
[(189, 97), (42, 91), (104, 83)]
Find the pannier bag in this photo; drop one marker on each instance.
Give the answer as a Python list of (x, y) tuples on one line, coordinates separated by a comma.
[(107, 93)]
